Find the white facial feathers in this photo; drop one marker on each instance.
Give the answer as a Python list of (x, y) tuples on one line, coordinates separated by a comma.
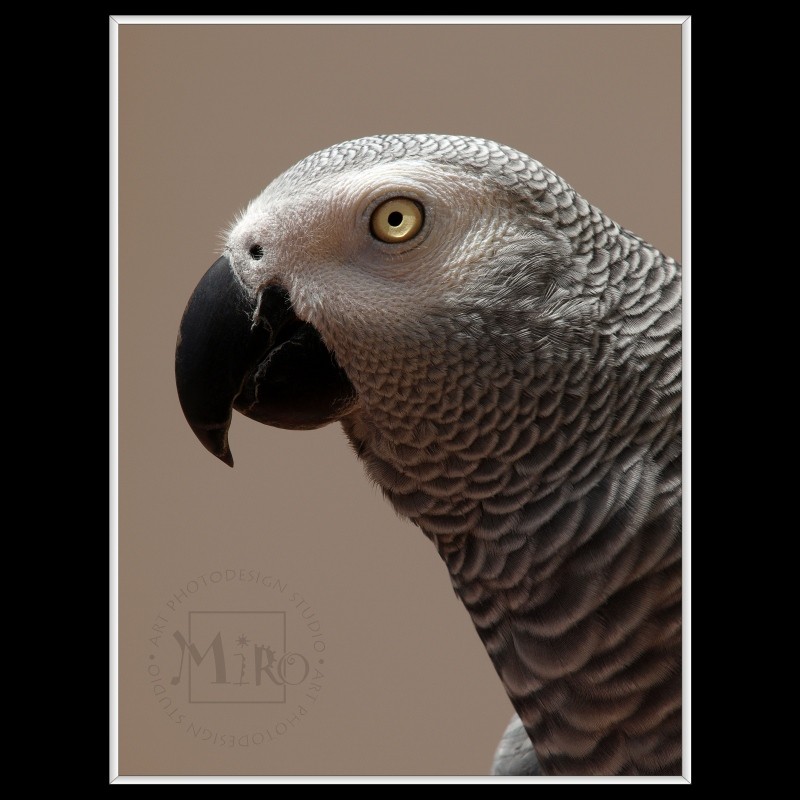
[(315, 239)]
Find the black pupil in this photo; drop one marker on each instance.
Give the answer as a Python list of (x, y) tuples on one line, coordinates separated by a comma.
[(395, 218), (256, 251)]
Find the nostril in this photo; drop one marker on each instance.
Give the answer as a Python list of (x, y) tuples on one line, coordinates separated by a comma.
[(256, 252)]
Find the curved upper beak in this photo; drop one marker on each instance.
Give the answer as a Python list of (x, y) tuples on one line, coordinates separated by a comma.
[(231, 353), (217, 345)]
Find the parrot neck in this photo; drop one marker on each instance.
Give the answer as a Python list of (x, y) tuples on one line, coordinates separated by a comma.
[(574, 586), (552, 493)]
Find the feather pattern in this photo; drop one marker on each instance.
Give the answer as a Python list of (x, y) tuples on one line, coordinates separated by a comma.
[(524, 410)]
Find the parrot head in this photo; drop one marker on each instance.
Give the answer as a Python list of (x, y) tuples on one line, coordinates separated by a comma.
[(368, 273)]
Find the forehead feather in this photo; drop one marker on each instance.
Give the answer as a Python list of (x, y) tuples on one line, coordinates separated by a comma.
[(352, 190), (506, 166)]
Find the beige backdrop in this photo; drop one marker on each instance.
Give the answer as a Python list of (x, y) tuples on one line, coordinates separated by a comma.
[(208, 115)]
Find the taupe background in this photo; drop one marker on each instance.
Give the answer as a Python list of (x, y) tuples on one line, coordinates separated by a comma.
[(208, 115)]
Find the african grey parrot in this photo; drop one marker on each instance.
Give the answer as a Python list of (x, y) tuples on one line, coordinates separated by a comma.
[(506, 361)]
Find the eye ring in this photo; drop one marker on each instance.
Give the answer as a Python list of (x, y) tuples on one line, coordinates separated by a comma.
[(397, 220)]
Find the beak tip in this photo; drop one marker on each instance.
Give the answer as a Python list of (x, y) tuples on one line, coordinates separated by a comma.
[(215, 440)]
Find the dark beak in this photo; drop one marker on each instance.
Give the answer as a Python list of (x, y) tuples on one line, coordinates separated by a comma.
[(254, 355)]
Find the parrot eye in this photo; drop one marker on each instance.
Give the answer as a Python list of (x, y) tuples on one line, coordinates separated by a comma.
[(256, 252), (396, 220)]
